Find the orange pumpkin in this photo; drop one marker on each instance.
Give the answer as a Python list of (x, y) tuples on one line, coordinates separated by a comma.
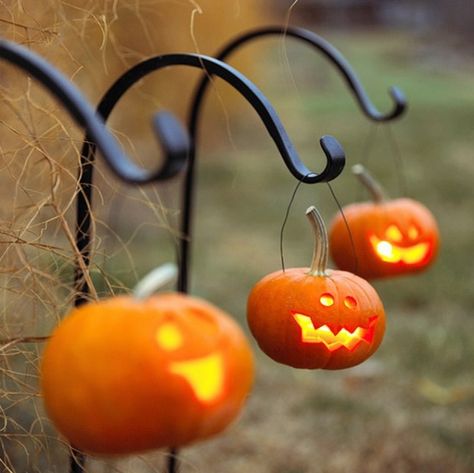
[(125, 375), (316, 317), (389, 237)]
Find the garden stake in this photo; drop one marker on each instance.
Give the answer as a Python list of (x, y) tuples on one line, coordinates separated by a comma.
[(334, 153), (172, 138), (176, 147), (320, 45), (331, 53)]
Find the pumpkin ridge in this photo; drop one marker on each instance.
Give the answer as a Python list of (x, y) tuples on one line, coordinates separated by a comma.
[(319, 300)]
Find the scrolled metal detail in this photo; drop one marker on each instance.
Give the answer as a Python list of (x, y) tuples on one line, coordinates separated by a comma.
[(170, 133), (332, 169), (335, 157), (332, 54), (212, 66)]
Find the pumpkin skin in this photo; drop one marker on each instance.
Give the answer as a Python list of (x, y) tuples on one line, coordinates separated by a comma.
[(347, 308), (125, 375), (371, 225), (389, 237)]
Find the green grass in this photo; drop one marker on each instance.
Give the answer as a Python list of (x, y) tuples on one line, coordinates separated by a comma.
[(243, 196), (243, 193), (388, 419)]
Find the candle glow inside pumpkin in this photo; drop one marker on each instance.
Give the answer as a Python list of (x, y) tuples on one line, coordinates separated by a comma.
[(204, 375)]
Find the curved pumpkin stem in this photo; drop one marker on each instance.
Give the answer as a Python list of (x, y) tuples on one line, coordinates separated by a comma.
[(154, 280), (320, 252), (376, 191)]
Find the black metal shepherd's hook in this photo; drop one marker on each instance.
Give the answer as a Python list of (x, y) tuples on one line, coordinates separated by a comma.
[(332, 149), (170, 133), (314, 41), (331, 53)]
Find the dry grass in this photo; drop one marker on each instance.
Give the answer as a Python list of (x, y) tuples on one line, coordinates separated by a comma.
[(409, 409), (92, 43)]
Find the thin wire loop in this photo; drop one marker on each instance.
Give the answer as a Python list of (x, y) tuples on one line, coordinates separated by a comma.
[(348, 228), (341, 210), (335, 163), (398, 161), (285, 219), (335, 157), (332, 149), (322, 46)]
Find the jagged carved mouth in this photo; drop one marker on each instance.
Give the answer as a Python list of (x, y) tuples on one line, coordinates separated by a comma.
[(333, 341), (204, 375), (391, 253)]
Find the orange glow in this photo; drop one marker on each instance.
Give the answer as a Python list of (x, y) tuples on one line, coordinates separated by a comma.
[(393, 233), (413, 232), (326, 300), (395, 254), (332, 341), (350, 302), (204, 375), (169, 337)]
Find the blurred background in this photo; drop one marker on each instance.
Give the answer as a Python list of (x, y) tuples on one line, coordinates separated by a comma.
[(411, 406)]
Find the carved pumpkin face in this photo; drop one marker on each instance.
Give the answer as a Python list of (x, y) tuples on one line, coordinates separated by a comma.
[(316, 318), (387, 237), (125, 375), (395, 248), (392, 237), (331, 322)]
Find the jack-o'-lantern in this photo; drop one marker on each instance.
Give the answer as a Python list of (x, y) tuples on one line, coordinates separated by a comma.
[(124, 375), (316, 317), (385, 237)]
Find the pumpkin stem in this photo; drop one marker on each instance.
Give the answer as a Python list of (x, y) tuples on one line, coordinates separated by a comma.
[(320, 252), (154, 280), (375, 189)]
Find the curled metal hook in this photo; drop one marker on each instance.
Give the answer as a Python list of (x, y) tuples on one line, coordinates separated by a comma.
[(332, 54), (332, 149), (171, 135)]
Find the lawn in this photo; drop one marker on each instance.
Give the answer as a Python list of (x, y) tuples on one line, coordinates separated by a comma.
[(410, 408)]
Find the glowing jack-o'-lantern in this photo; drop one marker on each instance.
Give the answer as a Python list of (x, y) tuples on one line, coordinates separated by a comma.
[(125, 375), (316, 317), (387, 237)]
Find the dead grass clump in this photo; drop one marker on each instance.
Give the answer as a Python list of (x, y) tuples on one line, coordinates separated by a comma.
[(92, 43)]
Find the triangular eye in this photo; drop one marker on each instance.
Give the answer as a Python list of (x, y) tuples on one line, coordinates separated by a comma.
[(393, 233), (413, 232)]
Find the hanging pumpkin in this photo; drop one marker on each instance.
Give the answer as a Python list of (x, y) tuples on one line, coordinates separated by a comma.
[(387, 237), (316, 317), (124, 375)]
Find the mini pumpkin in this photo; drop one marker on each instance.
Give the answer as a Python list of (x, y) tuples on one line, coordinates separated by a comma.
[(387, 237), (124, 375), (316, 317)]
